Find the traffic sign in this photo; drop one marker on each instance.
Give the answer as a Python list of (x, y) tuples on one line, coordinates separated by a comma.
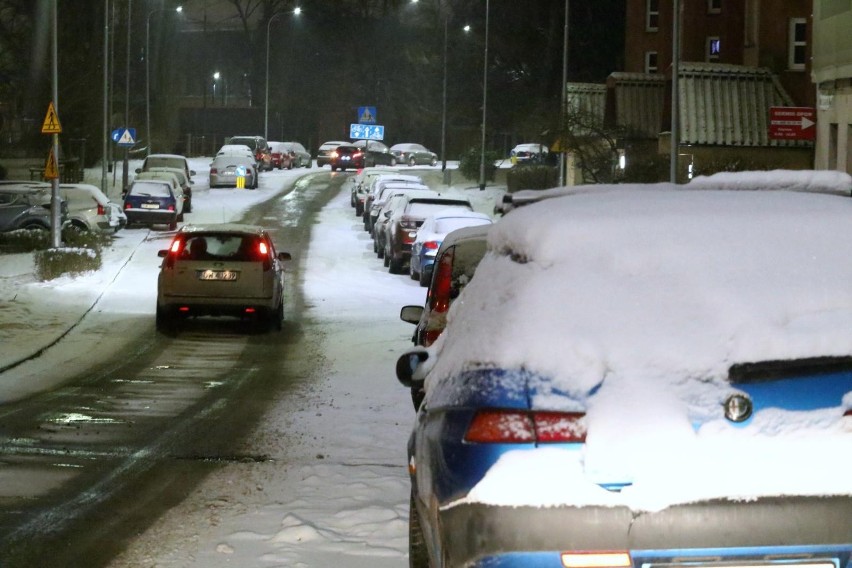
[(366, 132), (792, 123), (124, 136), (50, 169), (51, 121), (366, 115)]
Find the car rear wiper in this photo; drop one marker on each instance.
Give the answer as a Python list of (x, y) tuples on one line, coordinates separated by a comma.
[(785, 368)]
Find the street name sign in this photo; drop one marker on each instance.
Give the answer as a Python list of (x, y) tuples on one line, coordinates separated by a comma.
[(366, 131), (792, 123)]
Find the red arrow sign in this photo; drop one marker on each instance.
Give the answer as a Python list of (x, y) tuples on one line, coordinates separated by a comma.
[(792, 123)]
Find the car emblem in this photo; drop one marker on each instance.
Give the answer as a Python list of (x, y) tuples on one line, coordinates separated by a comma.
[(738, 408)]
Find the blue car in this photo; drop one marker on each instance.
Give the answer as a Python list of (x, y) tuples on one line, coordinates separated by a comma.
[(642, 379), (153, 202), (431, 234)]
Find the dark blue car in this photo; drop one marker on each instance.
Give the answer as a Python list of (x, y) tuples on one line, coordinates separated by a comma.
[(642, 379), (152, 202)]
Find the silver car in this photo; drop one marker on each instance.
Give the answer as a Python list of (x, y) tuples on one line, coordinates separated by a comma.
[(225, 169), (221, 270), (89, 209)]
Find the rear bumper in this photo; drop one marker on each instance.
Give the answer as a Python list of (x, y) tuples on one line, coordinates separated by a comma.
[(476, 534), (150, 217), (196, 306)]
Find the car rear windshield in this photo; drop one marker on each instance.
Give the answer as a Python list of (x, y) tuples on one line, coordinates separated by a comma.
[(450, 224), (223, 246), (150, 189), (424, 209), (347, 149), (163, 162), (250, 142)]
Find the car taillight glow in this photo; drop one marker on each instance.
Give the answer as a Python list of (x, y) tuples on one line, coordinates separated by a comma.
[(177, 244), (128, 206), (614, 559), (334, 154), (520, 427), (439, 294), (264, 250), (101, 210), (171, 207), (214, 171), (432, 245), (357, 154)]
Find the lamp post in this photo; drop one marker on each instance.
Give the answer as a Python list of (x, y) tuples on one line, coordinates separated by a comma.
[(484, 101), (296, 12), (216, 76), (179, 9)]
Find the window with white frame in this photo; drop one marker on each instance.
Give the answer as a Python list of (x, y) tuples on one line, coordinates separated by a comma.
[(652, 15), (713, 48), (798, 43), (651, 65), (714, 6)]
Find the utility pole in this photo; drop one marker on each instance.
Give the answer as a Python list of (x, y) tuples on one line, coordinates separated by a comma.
[(55, 212), (105, 149), (484, 100), (125, 171)]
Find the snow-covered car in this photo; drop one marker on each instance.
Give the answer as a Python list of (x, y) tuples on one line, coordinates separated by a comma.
[(643, 378), (225, 169), (184, 181), (375, 153), (414, 154), (26, 205), (221, 269), (235, 150), (281, 156), (166, 161), (259, 147), (89, 209), (528, 153), (431, 234), (301, 157)]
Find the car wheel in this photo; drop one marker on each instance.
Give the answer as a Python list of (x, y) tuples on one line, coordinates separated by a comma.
[(379, 249), (180, 217), (413, 273), (412, 162), (418, 556), (393, 161), (395, 266), (165, 323), (290, 166), (276, 317), (434, 162), (188, 206), (424, 278)]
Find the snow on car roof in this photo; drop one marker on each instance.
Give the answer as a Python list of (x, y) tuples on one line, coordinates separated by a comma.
[(650, 297)]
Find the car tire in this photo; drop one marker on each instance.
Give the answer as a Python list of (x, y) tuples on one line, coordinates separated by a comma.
[(164, 321), (395, 266), (418, 556), (424, 279), (180, 217), (290, 166), (276, 317), (412, 161), (434, 162), (393, 161)]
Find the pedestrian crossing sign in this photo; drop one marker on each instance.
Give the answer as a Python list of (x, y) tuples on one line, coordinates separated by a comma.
[(50, 169), (366, 115), (51, 121)]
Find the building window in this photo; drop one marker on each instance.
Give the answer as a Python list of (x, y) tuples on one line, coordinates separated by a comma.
[(651, 62), (652, 15), (713, 49), (798, 43), (714, 6)]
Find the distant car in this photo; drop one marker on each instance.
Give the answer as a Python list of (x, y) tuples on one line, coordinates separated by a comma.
[(432, 233), (258, 145), (153, 202), (236, 150), (384, 188), (89, 209), (281, 156), (225, 169), (642, 379), (402, 226), (185, 183), (301, 157), (396, 197), (325, 151), (173, 178), (528, 153), (221, 270), (414, 154), (376, 153), (166, 161), (346, 156), (26, 205), (375, 180)]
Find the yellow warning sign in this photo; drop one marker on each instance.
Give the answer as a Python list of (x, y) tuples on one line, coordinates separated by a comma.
[(51, 121), (50, 169)]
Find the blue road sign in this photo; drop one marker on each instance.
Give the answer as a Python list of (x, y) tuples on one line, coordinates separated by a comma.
[(366, 132), (366, 115), (124, 136)]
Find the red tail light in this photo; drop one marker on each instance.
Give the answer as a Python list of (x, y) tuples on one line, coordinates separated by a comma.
[(171, 207), (431, 245), (214, 171), (439, 295), (520, 427), (174, 250), (357, 154), (848, 412), (101, 210), (430, 336), (127, 206), (264, 250)]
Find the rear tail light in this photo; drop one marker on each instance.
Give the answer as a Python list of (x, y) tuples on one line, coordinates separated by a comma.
[(263, 250), (442, 286), (848, 412), (614, 559), (357, 154), (407, 222), (430, 336), (214, 171), (174, 250), (431, 245), (522, 427), (127, 205), (171, 207), (101, 209)]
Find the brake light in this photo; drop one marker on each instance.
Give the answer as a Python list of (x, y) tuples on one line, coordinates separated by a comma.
[(430, 336), (101, 210), (174, 250), (431, 245), (171, 207), (439, 294), (264, 250), (214, 171), (357, 154), (522, 427), (177, 244), (128, 206)]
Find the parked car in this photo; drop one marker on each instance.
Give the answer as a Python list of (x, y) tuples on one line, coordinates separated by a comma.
[(221, 270), (184, 181), (281, 156), (172, 178), (26, 205), (642, 378), (236, 150), (346, 156), (376, 153), (325, 151), (378, 193), (89, 209), (414, 154), (402, 226), (528, 153), (432, 233), (396, 197), (151, 202), (258, 145), (301, 157), (225, 169), (166, 161)]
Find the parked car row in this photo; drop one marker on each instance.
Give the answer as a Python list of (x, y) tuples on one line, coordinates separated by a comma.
[(341, 155), (161, 192), (633, 377)]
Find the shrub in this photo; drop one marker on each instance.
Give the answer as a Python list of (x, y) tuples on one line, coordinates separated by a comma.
[(471, 160), (24, 240), (52, 263), (531, 176)]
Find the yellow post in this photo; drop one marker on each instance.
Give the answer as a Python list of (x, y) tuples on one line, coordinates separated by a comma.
[(241, 182)]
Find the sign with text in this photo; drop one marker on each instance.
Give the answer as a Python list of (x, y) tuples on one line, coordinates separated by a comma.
[(366, 131), (792, 123)]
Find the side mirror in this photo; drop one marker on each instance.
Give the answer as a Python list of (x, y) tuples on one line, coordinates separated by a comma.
[(192, 172), (407, 365), (411, 314), (163, 253), (138, 170), (285, 256)]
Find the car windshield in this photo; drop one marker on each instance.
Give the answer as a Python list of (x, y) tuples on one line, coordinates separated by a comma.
[(223, 246), (149, 189)]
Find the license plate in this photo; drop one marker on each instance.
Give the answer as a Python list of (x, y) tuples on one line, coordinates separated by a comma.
[(219, 275), (150, 206)]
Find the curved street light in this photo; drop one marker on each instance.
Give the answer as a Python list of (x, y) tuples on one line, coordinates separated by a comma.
[(177, 10), (296, 12)]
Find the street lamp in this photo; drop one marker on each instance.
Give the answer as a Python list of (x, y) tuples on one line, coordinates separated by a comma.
[(484, 100), (296, 12), (178, 10), (216, 76)]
